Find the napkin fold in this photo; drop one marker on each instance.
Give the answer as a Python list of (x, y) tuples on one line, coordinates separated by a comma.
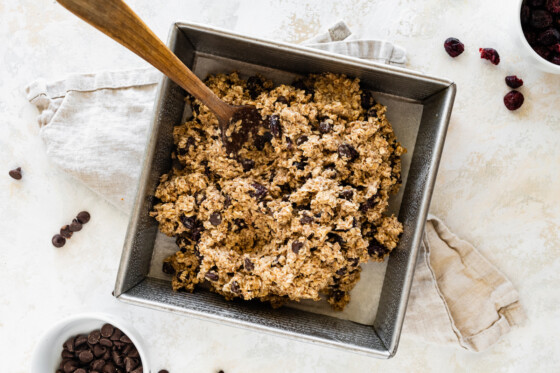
[(94, 128)]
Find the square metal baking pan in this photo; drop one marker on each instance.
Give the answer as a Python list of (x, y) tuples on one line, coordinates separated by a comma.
[(208, 50)]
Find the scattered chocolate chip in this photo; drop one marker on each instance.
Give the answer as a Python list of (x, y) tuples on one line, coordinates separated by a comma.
[(215, 219), (325, 127), (368, 204), (255, 86), (300, 165), (490, 54), (367, 99), (247, 164), (376, 249), (249, 266), (75, 226), (240, 224), (289, 143), (341, 272), (302, 139), (261, 141), (15, 173), (513, 100), (275, 127), (513, 81), (348, 151), (58, 240), (282, 100), (453, 47), (296, 246), (167, 268), (212, 276), (83, 217), (65, 231), (94, 337)]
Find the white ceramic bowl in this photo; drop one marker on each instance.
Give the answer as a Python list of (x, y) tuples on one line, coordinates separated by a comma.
[(46, 356), (526, 49)]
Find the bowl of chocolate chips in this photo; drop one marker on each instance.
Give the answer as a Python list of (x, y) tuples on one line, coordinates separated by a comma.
[(538, 25), (90, 343)]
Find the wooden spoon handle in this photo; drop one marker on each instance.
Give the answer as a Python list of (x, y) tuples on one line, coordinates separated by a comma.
[(118, 21)]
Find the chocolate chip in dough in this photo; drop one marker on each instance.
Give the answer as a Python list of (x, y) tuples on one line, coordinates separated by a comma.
[(215, 219), (15, 173)]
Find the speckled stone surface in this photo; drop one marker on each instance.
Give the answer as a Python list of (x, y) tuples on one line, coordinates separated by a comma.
[(498, 186)]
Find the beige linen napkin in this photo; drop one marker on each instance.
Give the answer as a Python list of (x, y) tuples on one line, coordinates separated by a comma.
[(94, 127)]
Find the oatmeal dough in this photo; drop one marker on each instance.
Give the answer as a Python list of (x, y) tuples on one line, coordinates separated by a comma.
[(299, 208)]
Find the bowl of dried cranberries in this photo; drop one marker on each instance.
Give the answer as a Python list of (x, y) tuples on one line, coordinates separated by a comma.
[(539, 30)]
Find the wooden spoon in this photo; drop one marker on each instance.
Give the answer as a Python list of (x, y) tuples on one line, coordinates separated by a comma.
[(118, 21)]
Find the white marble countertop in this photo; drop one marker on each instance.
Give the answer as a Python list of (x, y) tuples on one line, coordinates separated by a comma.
[(498, 185)]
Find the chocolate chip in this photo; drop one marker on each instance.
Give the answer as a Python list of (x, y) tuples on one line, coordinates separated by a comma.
[(99, 350), (306, 219), (15, 173), (348, 151), (70, 366), (212, 276), (368, 204), (341, 272), (300, 165), (234, 287), (282, 100), (289, 143), (65, 231), (58, 240), (85, 356), (67, 354), (275, 127), (302, 139), (80, 370), (325, 127), (190, 222), (134, 353), (346, 194), (215, 219), (94, 337), (75, 226), (125, 339), (105, 342), (255, 85), (80, 340), (117, 358), (367, 100), (69, 344), (247, 164), (107, 330), (83, 217), (240, 224), (296, 246), (109, 367), (260, 191), (130, 363), (138, 370), (261, 141), (376, 249), (249, 266), (371, 113), (227, 201), (97, 364), (167, 268)]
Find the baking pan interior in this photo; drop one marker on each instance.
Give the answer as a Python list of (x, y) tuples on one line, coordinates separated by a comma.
[(418, 108)]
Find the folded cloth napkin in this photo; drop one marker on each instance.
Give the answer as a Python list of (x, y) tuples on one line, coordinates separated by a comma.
[(94, 127)]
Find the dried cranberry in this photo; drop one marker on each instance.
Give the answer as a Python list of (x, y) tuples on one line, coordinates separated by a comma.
[(513, 81), (555, 48), (275, 127), (531, 36), (542, 51), (549, 37), (453, 47), (541, 19), (553, 6), (525, 14), (513, 100), (490, 54)]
